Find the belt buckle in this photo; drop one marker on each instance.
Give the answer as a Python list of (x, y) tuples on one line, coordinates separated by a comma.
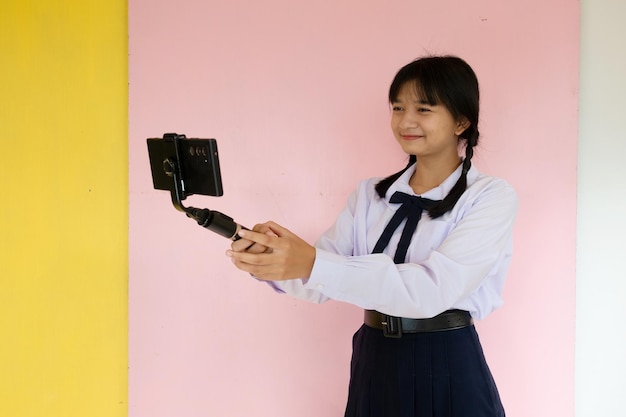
[(392, 326)]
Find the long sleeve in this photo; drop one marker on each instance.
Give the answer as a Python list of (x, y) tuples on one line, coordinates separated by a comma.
[(456, 261)]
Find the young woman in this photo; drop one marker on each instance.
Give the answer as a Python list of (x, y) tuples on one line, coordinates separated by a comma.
[(423, 252)]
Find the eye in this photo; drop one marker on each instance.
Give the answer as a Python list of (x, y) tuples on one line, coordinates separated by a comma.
[(397, 108), (423, 109)]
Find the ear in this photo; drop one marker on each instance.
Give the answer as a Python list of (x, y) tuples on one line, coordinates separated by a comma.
[(461, 125)]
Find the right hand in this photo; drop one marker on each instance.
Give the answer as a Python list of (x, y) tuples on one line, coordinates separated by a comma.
[(280, 255)]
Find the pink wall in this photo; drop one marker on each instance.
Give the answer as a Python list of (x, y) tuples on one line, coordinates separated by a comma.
[(295, 93)]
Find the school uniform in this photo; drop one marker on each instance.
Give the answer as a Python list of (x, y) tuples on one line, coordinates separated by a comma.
[(455, 265)]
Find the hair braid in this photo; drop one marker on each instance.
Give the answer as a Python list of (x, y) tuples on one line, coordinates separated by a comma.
[(467, 162), (458, 189)]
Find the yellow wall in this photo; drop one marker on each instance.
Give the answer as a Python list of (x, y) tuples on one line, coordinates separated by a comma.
[(63, 211)]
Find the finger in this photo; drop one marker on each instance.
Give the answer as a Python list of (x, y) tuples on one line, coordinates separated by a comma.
[(265, 239), (262, 227), (246, 245), (247, 258), (263, 271), (241, 245), (277, 229), (257, 248)]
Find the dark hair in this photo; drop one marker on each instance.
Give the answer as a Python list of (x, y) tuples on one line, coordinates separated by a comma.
[(451, 82)]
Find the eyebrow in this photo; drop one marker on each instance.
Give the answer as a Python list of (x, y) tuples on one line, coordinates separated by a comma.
[(421, 101)]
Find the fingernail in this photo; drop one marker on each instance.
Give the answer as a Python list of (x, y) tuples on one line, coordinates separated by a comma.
[(229, 253), (241, 233)]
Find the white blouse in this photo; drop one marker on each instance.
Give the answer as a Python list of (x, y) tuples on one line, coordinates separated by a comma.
[(457, 261)]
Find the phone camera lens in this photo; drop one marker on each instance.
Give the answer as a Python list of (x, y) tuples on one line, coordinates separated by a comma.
[(192, 151)]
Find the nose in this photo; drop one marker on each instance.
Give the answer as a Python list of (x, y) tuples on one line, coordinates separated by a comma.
[(408, 120)]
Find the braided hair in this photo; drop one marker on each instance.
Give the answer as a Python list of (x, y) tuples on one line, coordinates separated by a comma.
[(451, 82)]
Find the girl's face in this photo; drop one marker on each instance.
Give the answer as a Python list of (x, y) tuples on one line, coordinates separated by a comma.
[(424, 130)]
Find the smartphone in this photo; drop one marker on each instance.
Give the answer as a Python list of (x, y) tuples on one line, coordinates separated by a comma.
[(195, 161)]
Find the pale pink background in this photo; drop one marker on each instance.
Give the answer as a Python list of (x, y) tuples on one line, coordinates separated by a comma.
[(295, 93)]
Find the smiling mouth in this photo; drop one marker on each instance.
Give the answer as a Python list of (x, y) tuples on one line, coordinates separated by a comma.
[(411, 137)]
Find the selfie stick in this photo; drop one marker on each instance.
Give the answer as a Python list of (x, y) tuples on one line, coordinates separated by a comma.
[(210, 219)]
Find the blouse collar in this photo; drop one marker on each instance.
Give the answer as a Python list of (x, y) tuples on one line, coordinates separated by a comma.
[(437, 193)]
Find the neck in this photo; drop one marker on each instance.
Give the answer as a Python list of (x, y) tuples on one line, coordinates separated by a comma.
[(430, 174)]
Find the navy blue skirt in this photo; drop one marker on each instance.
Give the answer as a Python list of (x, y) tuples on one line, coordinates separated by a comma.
[(436, 374)]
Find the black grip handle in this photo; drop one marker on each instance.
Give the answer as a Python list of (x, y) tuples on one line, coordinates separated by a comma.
[(216, 222)]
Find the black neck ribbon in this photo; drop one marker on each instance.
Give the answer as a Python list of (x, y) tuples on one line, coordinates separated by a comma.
[(411, 209)]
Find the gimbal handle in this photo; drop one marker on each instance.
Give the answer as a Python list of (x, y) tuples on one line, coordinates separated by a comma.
[(209, 219)]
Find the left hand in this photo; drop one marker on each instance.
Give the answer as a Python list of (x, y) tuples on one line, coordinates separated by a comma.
[(287, 255)]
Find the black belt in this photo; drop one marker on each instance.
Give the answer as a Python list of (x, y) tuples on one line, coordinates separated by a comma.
[(394, 326)]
